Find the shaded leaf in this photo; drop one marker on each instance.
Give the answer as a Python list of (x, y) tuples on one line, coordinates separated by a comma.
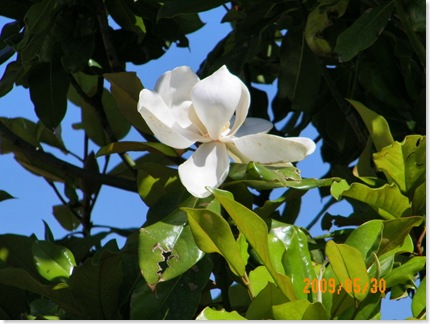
[(261, 306), (122, 147), (66, 217), (363, 32), (292, 311), (405, 272), (315, 311), (419, 300), (172, 8), (5, 195)]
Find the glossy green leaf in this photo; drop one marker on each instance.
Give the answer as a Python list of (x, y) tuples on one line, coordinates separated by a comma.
[(367, 238), (124, 16), (261, 306), (219, 315), (259, 277), (315, 311), (348, 264), (5, 195), (48, 88), (402, 162), (296, 260), (363, 32), (419, 200), (366, 310), (122, 147), (387, 200), (177, 299), (318, 20), (212, 234), (53, 262), (125, 88), (405, 272), (419, 300), (376, 124), (255, 231), (167, 248), (291, 311)]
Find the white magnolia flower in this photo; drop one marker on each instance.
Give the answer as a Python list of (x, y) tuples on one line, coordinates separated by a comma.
[(184, 110)]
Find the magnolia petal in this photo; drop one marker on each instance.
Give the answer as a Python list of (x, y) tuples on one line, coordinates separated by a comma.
[(216, 98), (175, 88), (253, 125), (265, 148), (161, 122), (207, 167)]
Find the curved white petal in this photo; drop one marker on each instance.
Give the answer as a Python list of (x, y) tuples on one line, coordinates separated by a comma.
[(216, 98), (161, 122), (175, 88), (265, 148), (207, 167), (253, 125)]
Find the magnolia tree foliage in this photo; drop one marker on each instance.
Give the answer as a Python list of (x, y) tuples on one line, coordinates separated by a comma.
[(355, 70)]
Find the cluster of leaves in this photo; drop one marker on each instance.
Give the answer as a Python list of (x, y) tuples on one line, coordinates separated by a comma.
[(236, 242)]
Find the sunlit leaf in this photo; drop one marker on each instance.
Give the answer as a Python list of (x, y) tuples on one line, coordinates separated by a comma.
[(348, 264), (419, 300), (261, 306), (315, 311), (53, 262), (376, 124), (291, 311), (402, 162), (218, 315), (212, 234), (255, 231), (405, 272)]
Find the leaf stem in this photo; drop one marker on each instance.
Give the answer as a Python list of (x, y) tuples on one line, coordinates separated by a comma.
[(248, 285)]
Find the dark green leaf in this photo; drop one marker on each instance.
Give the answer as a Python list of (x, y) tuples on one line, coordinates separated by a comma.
[(177, 299), (315, 311), (363, 32), (172, 8), (419, 300), (66, 217), (405, 272), (48, 88), (5, 195), (167, 248), (261, 306), (291, 311), (122, 147)]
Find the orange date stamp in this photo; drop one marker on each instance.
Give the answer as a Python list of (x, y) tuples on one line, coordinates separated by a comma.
[(349, 285)]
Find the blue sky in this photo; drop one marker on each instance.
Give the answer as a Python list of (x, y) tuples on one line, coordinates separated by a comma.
[(35, 198)]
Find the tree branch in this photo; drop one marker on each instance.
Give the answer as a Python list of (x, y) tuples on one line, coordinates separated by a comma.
[(61, 169)]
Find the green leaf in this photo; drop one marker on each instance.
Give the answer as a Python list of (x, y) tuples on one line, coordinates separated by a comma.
[(65, 217), (291, 311), (167, 248), (212, 234), (315, 311), (348, 264), (177, 299), (402, 163), (261, 306), (318, 20), (367, 238), (124, 16), (53, 262), (377, 125), (219, 315), (387, 200), (419, 300), (5, 195), (172, 8), (125, 88), (296, 260), (259, 277), (122, 147), (256, 232), (363, 32), (48, 85), (405, 272)]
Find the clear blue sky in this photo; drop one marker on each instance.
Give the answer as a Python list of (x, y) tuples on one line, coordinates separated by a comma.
[(35, 198)]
